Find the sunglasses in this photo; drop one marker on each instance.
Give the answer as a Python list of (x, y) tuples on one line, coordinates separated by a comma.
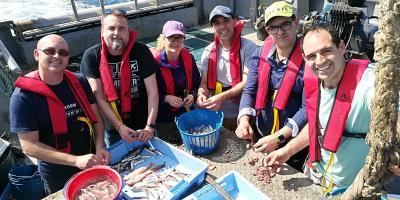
[(53, 51), (179, 39), (121, 12)]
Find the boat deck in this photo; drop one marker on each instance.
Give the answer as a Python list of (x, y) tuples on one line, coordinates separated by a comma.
[(233, 153)]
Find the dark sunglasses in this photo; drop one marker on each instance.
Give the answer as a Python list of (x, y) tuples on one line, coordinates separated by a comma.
[(115, 11), (179, 39), (53, 51)]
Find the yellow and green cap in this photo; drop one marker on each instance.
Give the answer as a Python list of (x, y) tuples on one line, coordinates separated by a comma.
[(278, 9)]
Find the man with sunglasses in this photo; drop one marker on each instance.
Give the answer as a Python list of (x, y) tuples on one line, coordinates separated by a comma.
[(224, 66), (272, 103), (55, 115), (122, 74)]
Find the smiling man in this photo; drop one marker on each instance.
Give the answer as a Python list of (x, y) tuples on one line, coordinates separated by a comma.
[(338, 95), (122, 74), (55, 115), (272, 97), (224, 66)]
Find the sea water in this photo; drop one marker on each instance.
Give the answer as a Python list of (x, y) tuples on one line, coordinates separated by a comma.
[(16, 10)]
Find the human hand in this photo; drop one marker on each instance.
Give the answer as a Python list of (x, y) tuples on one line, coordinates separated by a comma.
[(266, 144), (103, 155), (275, 159), (214, 102), (127, 133), (86, 161), (395, 170), (188, 101), (173, 101), (146, 134), (200, 100), (244, 130)]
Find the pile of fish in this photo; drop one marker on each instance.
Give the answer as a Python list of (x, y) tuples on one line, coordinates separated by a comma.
[(133, 158), (201, 129), (153, 181), (100, 190)]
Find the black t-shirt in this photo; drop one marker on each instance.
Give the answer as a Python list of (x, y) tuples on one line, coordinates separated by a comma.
[(30, 112), (142, 64)]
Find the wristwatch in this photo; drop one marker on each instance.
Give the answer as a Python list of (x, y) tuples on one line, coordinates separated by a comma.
[(280, 138)]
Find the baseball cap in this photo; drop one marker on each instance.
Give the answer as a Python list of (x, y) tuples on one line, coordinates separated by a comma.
[(173, 28), (221, 11), (278, 9)]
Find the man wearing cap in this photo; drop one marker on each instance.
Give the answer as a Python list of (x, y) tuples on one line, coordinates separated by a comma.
[(272, 98), (177, 80), (224, 66), (122, 74)]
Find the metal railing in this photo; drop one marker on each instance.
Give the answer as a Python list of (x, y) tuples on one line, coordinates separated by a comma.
[(92, 16)]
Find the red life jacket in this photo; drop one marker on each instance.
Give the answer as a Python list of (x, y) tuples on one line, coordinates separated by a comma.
[(234, 59), (32, 82), (288, 79), (125, 75), (167, 75), (340, 110)]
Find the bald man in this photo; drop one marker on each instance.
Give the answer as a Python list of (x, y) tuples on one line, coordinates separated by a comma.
[(55, 115)]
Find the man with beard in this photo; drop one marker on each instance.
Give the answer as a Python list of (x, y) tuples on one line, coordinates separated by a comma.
[(55, 115), (224, 66), (121, 72)]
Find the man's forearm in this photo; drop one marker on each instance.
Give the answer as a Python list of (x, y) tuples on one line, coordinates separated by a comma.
[(46, 153), (98, 127), (298, 143), (234, 91)]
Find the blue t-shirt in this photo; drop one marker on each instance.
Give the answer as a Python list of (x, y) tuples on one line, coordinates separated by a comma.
[(30, 112)]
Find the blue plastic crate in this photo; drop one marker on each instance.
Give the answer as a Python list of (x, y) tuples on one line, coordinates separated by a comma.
[(173, 157), (234, 184), (204, 143)]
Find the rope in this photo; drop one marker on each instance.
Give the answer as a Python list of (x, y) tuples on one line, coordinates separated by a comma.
[(6, 81)]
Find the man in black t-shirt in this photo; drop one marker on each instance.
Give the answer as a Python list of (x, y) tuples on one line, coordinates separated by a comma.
[(120, 65), (55, 115)]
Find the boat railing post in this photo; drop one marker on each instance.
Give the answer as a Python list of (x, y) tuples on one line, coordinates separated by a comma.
[(157, 3), (102, 6), (75, 11), (136, 6)]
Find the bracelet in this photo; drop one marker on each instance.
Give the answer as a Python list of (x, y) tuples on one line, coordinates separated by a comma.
[(119, 126), (153, 126)]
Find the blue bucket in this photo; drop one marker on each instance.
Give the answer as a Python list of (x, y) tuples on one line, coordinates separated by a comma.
[(26, 182), (205, 143)]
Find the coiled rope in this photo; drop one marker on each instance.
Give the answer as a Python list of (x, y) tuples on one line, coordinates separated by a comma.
[(6, 81)]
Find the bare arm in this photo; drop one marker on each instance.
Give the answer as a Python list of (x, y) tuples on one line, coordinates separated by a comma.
[(106, 110), (98, 129), (152, 98), (33, 147), (202, 93)]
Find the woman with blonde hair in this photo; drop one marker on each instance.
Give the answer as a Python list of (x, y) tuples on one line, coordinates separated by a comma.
[(178, 78)]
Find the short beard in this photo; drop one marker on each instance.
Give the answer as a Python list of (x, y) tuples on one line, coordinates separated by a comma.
[(117, 45)]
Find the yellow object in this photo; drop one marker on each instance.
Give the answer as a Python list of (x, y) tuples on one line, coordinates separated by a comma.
[(91, 132), (218, 88), (278, 9), (330, 186), (275, 126), (114, 108)]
